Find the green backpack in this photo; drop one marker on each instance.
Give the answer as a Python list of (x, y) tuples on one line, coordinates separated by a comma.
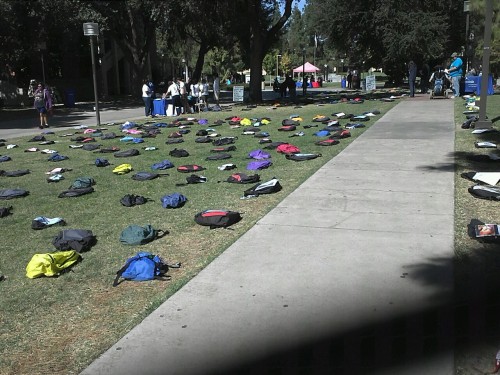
[(140, 235), (82, 183)]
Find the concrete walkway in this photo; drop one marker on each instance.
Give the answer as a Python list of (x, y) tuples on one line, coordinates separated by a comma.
[(351, 273)]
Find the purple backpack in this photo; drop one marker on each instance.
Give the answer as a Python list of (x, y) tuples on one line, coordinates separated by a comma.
[(258, 155), (259, 164)]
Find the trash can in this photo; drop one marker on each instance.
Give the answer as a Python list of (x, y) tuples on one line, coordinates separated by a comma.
[(69, 99), (343, 83)]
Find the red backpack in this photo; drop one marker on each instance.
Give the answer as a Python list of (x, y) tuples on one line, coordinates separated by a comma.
[(287, 148)]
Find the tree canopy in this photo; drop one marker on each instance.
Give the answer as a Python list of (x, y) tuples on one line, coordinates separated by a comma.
[(226, 36)]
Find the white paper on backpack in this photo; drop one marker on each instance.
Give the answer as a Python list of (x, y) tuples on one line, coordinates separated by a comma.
[(490, 178)]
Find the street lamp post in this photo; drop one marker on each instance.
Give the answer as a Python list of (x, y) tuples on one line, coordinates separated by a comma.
[(326, 72), (484, 123), (185, 70), (466, 11), (304, 82), (91, 29), (277, 65), (41, 48)]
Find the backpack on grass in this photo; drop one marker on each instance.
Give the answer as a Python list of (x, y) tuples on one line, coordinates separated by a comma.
[(122, 169), (165, 164), (74, 239), (485, 192), (219, 156), (179, 153), (144, 176), (189, 168), (82, 183), (301, 157), (242, 178), (101, 162), (126, 153), (269, 187), (130, 200), (51, 264), (174, 200), (140, 235), (75, 192), (144, 266), (17, 173), (5, 211), (13, 193), (217, 218), (259, 164)]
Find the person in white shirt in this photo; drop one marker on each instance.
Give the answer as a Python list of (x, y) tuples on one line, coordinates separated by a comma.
[(173, 90), (203, 87), (146, 97), (184, 95)]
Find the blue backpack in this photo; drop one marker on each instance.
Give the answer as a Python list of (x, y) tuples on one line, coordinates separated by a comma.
[(144, 266), (165, 164), (101, 162), (174, 200)]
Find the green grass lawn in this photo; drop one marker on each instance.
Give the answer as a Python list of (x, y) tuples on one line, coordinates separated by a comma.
[(477, 264), (59, 325)]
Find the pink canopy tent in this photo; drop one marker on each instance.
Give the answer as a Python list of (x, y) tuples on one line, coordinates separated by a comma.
[(307, 68)]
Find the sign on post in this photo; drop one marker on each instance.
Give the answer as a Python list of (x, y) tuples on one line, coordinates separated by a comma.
[(370, 83), (238, 93)]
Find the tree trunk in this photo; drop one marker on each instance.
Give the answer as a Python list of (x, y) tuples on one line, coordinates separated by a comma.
[(256, 75), (200, 61)]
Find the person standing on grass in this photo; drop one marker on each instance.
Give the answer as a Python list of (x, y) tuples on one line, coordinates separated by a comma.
[(147, 98), (43, 104)]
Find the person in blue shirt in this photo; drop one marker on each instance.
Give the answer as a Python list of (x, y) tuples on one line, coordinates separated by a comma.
[(455, 71)]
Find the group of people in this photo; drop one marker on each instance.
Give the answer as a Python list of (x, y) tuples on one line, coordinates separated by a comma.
[(185, 96), (453, 74)]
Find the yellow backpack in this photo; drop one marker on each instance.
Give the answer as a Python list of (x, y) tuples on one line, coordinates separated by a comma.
[(122, 169), (51, 264)]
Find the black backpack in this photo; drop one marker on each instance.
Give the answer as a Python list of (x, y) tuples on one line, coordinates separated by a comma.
[(301, 157), (130, 200), (91, 146), (172, 141), (327, 142), (109, 136), (268, 187), (179, 153), (242, 178), (143, 176), (17, 173), (74, 239), (220, 156), (126, 153), (5, 211), (224, 141), (205, 139), (485, 192), (223, 149), (76, 192), (13, 193), (217, 218)]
